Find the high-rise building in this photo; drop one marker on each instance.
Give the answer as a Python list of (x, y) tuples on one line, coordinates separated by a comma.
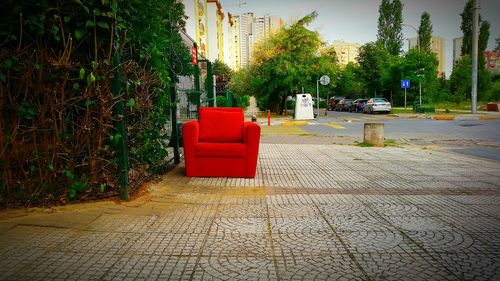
[(457, 50), (244, 31), (346, 52), (437, 47)]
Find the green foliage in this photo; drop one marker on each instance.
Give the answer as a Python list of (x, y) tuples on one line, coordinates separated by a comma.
[(371, 59), (493, 93), (466, 27), (283, 64), (77, 185), (222, 70), (349, 84), (390, 26), (484, 36), (243, 101), (421, 67), (221, 101), (55, 66), (244, 82), (425, 33), (461, 81)]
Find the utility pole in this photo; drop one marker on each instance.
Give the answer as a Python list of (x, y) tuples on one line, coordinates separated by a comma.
[(475, 39)]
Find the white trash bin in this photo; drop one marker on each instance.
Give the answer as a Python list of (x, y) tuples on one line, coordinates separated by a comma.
[(303, 107)]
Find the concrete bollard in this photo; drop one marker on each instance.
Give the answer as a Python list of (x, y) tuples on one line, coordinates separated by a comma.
[(374, 134)]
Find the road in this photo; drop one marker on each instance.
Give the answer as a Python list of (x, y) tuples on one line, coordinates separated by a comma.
[(478, 138)]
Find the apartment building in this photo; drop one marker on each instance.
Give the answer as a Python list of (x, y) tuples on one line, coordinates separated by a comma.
[(437, 47), (346, 52)]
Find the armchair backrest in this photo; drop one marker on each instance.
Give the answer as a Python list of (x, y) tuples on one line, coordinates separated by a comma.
[(221, 124)]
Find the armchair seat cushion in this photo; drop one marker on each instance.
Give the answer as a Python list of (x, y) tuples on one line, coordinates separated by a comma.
[(210, 149)]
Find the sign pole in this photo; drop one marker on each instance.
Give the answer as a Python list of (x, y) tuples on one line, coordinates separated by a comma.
[(405, 100), (317, 98)]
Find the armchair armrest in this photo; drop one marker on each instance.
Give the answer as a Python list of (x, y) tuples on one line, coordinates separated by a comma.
[(190, 135), (251, 138), (251, 133)]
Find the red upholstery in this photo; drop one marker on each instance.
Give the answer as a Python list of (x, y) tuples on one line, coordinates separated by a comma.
[(211, 149), (221, 144), (212, 131)]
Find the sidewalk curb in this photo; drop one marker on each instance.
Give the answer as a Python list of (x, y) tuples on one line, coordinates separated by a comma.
[(465, 117)]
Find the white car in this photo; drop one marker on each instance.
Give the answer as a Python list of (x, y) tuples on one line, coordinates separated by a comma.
[(377, 105)]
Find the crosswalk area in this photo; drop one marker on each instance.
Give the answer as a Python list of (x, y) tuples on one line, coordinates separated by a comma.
[(282, 130)]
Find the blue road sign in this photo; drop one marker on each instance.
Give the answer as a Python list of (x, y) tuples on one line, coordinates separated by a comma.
[(405, 84)]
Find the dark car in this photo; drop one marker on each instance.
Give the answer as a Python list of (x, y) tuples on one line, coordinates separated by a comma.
[(343, 105), (334, 101), (358, 105)]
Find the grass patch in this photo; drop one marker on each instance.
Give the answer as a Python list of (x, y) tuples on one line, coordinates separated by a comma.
[(392, 143), (364, 144)]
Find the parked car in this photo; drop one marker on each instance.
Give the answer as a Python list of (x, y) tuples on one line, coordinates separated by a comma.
[(343, 105), (334, 101), (358, 105), (377, 105)]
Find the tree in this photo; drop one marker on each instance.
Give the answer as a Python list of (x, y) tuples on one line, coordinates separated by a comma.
[(461, 81), (371, 62), (421, 67), (392, 76), (484, 36), (425, 32), (222, 70), (286, 62), (349, 85), (466, 26), (390, 26)]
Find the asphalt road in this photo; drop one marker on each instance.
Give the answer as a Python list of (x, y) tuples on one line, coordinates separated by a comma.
[(478, 138)]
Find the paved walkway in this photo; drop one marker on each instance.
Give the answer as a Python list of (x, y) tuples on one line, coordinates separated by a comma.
[(314, 212)]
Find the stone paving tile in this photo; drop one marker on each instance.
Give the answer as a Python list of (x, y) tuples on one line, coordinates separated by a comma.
[(444, 240), (140, 267), (243, 225), (329, 267), (313, 212), (100, 242), (57, 265), (313, 225), (168, 244), (402, 266), (235, 268), (450, 210), (471, 265), (295, 244), (474, 224), (238, 245), (242, 211)]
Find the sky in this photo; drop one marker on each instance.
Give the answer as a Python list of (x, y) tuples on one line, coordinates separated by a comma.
[(355, 21)]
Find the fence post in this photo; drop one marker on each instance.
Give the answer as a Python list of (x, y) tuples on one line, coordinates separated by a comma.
[(173, 113), (210, 85), (118, 112), (197, 86)]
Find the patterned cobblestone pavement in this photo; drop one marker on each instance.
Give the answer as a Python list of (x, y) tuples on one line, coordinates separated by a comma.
[(314, 212)]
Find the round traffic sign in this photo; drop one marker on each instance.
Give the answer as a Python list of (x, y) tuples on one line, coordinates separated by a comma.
[(324, 80)]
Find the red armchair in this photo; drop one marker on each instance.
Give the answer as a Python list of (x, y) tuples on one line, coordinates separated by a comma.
[(221, 144)]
